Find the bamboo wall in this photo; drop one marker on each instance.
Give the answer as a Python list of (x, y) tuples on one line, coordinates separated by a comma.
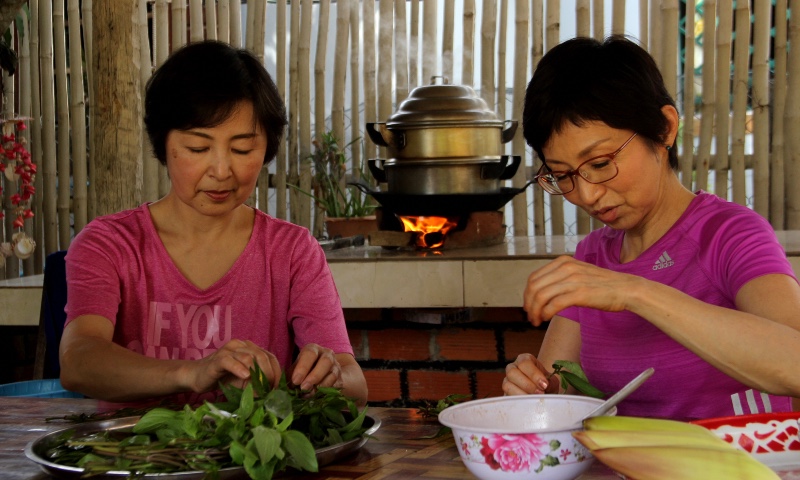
[(747, 93)]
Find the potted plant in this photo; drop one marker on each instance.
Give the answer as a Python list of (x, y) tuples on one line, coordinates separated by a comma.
[(346, 210)]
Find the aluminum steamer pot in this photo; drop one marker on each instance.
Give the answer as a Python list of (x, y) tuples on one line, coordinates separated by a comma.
[(437, 177), (443, 121)]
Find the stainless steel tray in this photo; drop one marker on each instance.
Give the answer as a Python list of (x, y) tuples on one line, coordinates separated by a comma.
[(35, 452)]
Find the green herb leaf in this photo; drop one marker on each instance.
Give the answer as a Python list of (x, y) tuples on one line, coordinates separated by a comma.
[(302, 452)]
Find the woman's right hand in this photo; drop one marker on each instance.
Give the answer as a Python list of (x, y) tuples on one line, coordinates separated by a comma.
[(527, 375), (231, 364)]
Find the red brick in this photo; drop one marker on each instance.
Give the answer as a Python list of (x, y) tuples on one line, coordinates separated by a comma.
[(430, 385), (529, 341), (489, 384), (398, 344), (358, 344), (466, 344), (383, 385)]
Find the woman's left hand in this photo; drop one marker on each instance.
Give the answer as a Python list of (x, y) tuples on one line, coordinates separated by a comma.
[(316, 366), (566, 282)]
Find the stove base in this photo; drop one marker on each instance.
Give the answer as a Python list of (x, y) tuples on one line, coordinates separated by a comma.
[(478, 229)]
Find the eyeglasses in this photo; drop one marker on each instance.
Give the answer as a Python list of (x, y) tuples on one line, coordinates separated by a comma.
[(595, 170)]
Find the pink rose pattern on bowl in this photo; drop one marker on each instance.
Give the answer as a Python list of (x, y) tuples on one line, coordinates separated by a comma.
[(519, 453)]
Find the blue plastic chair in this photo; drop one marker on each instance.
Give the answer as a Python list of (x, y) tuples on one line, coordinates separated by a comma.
[(51, 325)]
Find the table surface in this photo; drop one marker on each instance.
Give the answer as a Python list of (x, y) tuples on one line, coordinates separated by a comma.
[(397, 451)]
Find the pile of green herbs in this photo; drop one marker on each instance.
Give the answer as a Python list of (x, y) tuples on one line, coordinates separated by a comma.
[(261, 429)]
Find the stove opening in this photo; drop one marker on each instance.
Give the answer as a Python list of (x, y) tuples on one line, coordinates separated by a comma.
[(430, 231)]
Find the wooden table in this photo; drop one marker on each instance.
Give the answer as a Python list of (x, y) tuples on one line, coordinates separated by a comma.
[(396, 453)]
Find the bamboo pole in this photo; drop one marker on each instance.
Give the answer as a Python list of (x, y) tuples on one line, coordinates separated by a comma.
[(448, 34), (196, 33), (618, 17), (400, 52), (385, 63), (355, 101), (211, 19), (36, 131), (584, 29), (722, 88), (179, 26), (280, 82), (62, 116), (340, 68), (583, 18), (521, 23), (78, 117), (551, 40), (162, 52), (670, 19), (741, 74), (598, 17), (792, 122), (26, 94), (86, 18), (49, 168), (777, 211), (370, 97), (413, 47), (236, 23), (488, 39), (293, 106), (319, 67), (760, 104), (502, 41), (149, 161), (304, 112), (468, 60), (708, 105), (655, 41), (259, 44), (429, 33), (12, 267), (224, 23), (249, 29), (340, 73), (644, 25), (687, 155), (537, 51)]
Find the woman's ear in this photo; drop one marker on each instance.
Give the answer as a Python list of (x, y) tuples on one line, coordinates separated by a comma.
[(673, 122)]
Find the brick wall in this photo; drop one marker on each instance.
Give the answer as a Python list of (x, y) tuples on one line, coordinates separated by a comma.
[(407, 361)]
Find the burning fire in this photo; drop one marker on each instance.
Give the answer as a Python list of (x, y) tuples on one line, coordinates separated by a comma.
[(431, 229)]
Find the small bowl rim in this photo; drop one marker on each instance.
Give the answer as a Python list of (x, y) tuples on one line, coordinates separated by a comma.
[(566, 428)]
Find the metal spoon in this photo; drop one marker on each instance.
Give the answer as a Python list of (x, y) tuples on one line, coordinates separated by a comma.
[(604, 407)]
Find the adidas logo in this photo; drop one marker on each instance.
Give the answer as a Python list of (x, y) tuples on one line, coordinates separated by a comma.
[(663, 261)]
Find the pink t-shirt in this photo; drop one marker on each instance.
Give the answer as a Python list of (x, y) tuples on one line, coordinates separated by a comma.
[(714, 249), (279, 293)]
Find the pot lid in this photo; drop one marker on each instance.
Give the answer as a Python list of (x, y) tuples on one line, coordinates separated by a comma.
[(443, 103)]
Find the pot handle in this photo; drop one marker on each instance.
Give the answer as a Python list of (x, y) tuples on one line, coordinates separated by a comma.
[(384, 137), (377, 171), (508, 133), (501, 170), (511, 170), (375, 135)]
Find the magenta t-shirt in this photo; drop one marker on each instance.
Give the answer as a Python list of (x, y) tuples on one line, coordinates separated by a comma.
[(279, 293), (710, 253)]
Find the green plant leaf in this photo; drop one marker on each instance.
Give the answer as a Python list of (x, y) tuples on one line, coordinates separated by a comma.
[(581, 385), (267, 442), (300, 449)]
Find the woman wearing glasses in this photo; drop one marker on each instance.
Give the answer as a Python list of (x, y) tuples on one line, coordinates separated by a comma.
[(685, 282)]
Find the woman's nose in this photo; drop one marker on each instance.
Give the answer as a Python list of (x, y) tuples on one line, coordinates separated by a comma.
[(588, 193), (220, 164)]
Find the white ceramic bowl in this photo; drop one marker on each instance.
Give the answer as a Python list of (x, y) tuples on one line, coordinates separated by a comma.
[(521, 437)]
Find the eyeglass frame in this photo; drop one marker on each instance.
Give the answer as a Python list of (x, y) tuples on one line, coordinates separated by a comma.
[(576, 172)]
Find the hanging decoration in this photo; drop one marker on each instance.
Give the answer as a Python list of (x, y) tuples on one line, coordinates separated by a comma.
[(19, 171)]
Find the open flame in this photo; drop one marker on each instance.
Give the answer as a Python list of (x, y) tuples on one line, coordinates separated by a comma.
[(431, 229)]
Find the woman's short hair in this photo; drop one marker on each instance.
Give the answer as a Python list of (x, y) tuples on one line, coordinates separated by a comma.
[(616, 82), (200, 85)]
